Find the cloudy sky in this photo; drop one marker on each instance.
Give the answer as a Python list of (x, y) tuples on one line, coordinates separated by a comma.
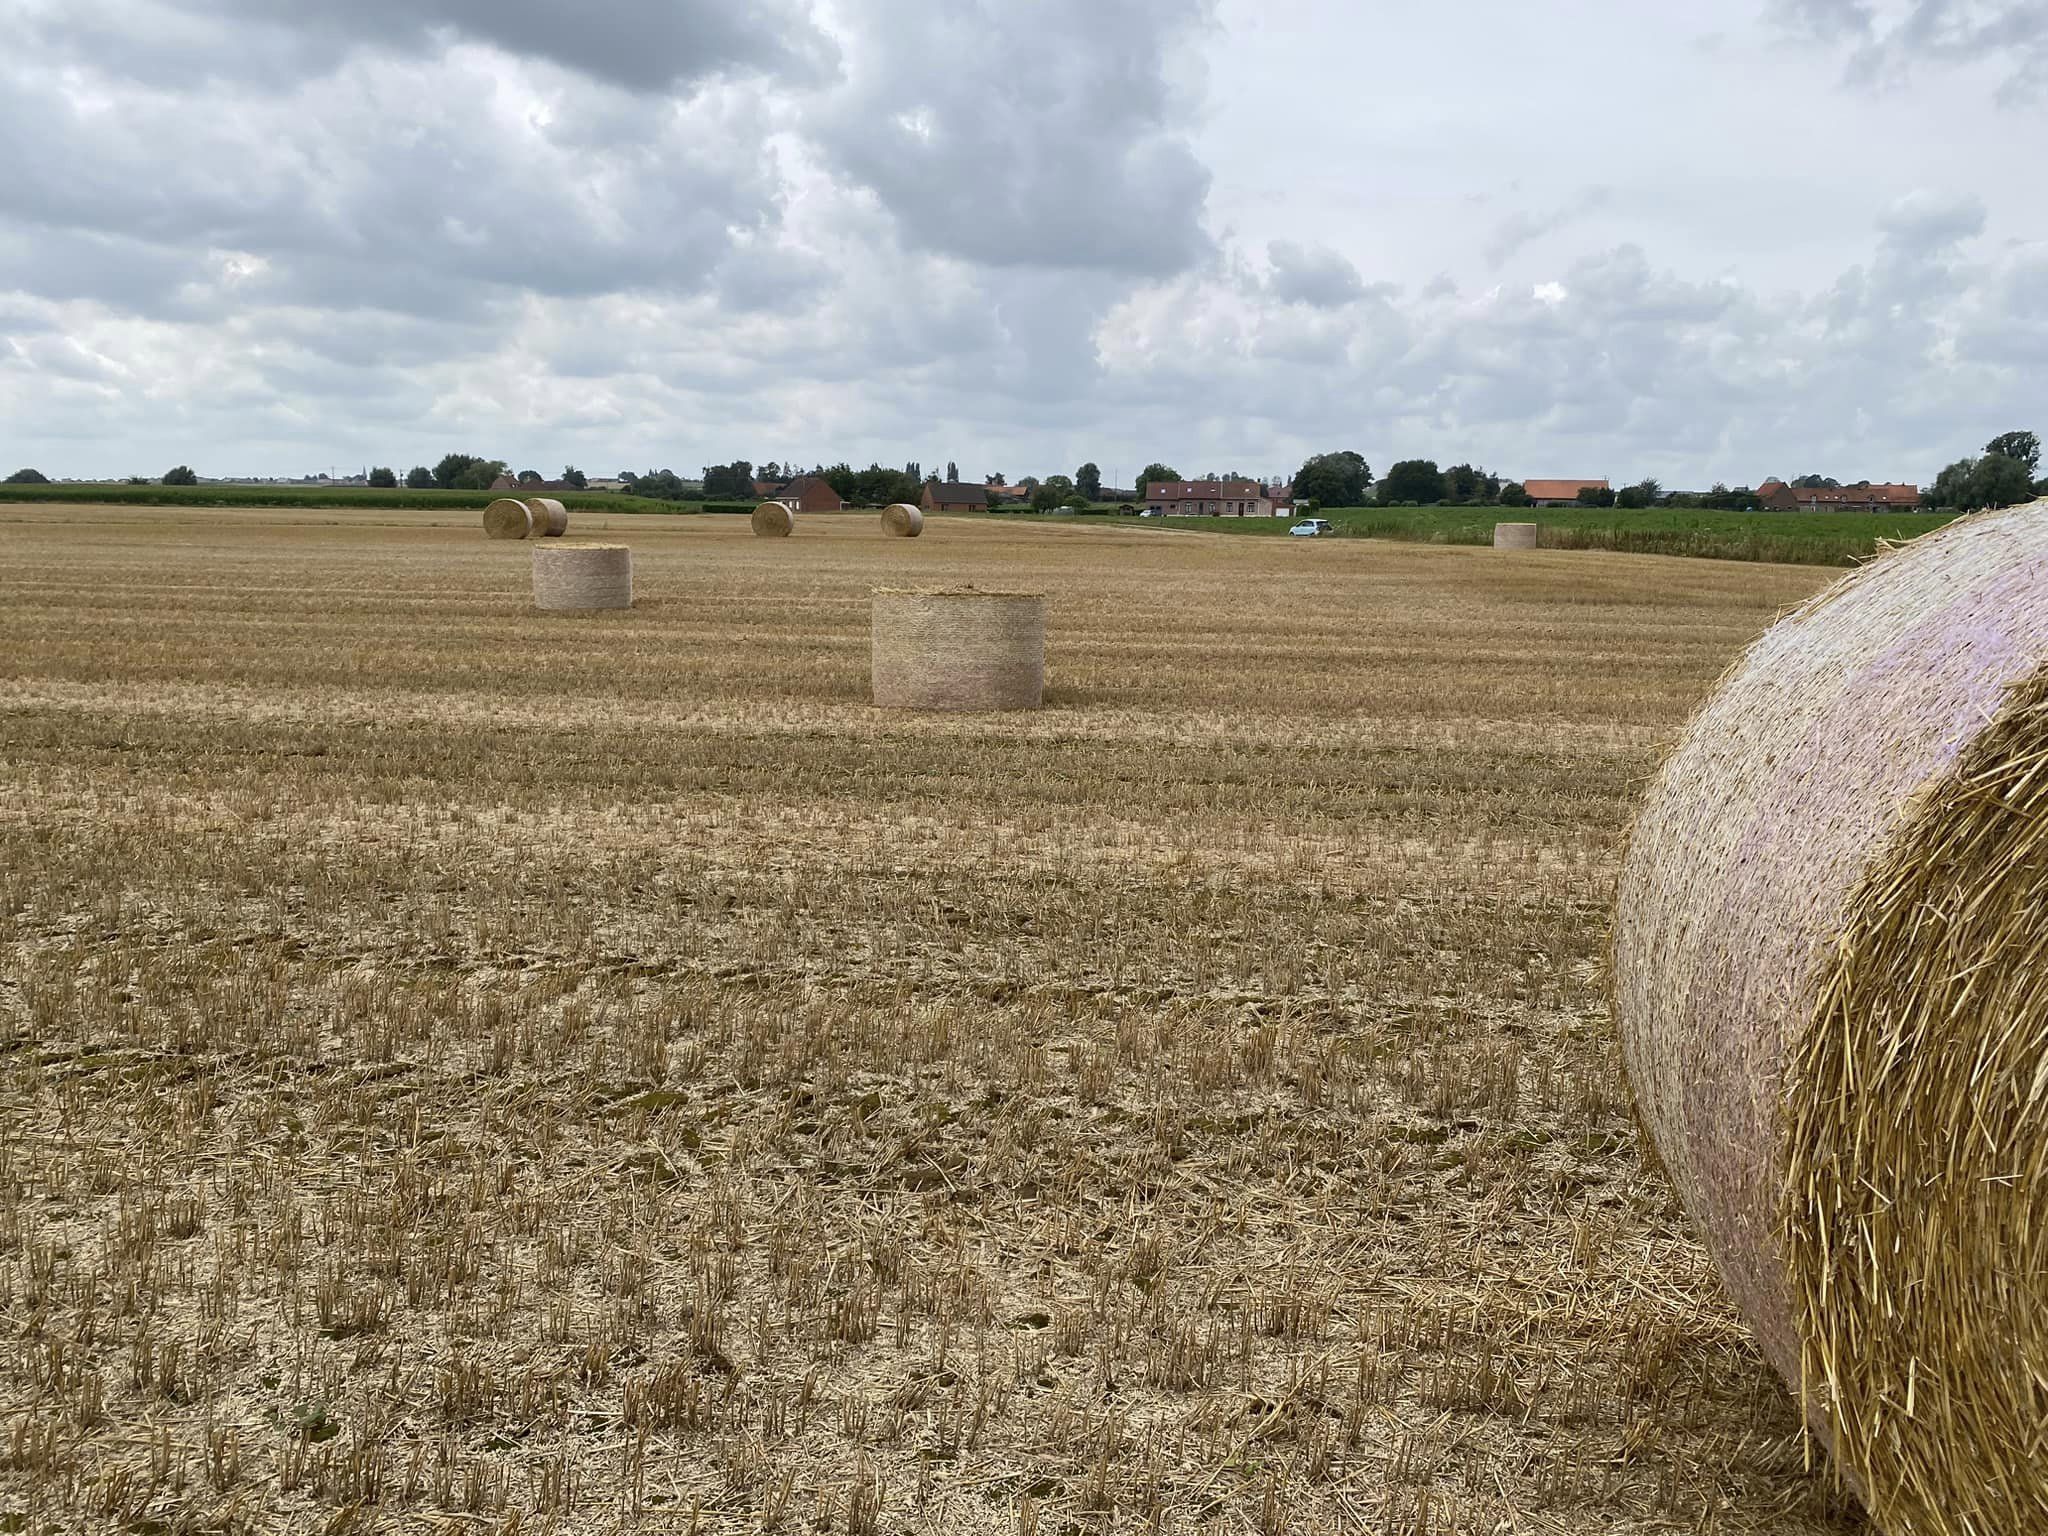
[(1715, 241)]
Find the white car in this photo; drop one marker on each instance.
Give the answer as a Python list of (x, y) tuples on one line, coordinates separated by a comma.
[(1310, 528), (1152, 512)]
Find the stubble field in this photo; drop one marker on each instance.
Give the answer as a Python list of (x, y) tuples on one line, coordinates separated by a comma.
[(468, 1070)]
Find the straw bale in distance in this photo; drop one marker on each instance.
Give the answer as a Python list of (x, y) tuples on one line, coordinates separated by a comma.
[(1828, 983), (580, 578), (507, 519), (902, 521), (1514, 535), (958, 649), (772, 520), (550, 517)]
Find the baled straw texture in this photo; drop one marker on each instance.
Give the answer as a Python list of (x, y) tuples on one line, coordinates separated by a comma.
[(579, 578), (1514, 535), (772, 520), (507, 519), (550, 517), (1830, 976), (958, 650), (902, 521)]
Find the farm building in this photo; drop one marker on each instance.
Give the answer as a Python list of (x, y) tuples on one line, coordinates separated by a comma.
[(1862, 497), (1211, 498), (806, 493), (1559, 493), (952, 496)]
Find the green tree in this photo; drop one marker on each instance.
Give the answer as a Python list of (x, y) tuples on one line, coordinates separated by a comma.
[(1417, 480), (383, 480), (452, 468), (28, 477), (182, 475), (1088, 482), (729, 482), (1816, 483), (481, 475), (1513, 495), (530, 477), (1595, 496), (571, 475), (996, 479), (1463, 483), (2022, 447), (952, 473), (1053, 492), (1333, 479), (419, 478), (1156, 474)]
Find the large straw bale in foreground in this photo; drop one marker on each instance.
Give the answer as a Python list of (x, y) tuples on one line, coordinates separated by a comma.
[(1514, 535), (550, 517), (1831, 982), (963, 649), (581, 578), (772, 520), (507, 519), (902, 521)]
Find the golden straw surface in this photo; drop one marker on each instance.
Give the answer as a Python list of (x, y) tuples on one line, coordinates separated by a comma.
[(1830, 977), (1514, 535), (772, 520), (580, 578), (903, 521), (507, 519), (550, 517), (958, 649)]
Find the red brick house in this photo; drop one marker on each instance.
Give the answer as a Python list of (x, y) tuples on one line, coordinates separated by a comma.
[(1210, 498), (1780, 497), (806, 493), (952, 496)]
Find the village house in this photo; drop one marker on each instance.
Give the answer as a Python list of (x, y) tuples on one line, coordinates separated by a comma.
[(952, 496), (1864, 497), (1559, 493), (806, 493), (1210, 498)]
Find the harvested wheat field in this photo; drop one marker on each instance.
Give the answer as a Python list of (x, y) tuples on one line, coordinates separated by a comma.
[(656, 1091)]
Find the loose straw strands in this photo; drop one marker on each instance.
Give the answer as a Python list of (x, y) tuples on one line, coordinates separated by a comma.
[(1829, 981)]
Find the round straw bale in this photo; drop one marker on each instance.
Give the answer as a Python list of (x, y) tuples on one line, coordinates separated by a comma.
[(902, 521), (958, 649), (550, 517), (1829, 984), (1514, 535), (507, 519), (772, 520), (577, 578)]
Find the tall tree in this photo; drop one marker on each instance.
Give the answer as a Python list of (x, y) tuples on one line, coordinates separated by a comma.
[(1088, 482), (419, 478), (1336, 480), (2025, 447), (729, 482), (182, 475), (1417, 480), (952, 473), (571, 475), (1156, 474), (1053, 493), (28, 477), (383, 480)]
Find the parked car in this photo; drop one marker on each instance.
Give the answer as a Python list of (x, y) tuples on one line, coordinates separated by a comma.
[(1153, 512), (1310, 528)]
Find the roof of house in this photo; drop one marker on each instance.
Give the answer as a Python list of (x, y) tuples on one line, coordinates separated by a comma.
[(1855, 495), (1560, 490), (1175, 490), (953, 494)]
